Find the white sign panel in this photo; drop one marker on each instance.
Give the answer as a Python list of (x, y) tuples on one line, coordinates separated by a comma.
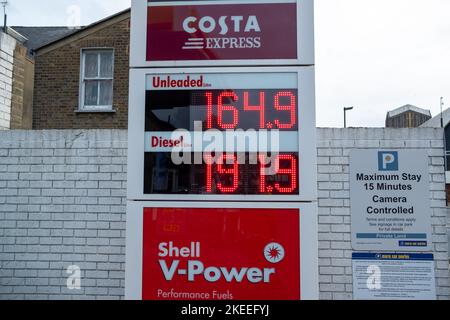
[(389, 196), (172, 251), (387, 276)]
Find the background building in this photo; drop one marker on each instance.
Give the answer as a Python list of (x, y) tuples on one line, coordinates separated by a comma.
[(16, 82), (435, 122), (408, 116), (443, 119), (81, 78)]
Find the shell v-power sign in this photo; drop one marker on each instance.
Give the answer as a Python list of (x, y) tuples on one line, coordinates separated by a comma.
[(222, 200)]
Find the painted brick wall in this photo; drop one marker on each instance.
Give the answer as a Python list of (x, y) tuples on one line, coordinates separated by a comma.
[(7, 46), (334, 145), (62, 203)]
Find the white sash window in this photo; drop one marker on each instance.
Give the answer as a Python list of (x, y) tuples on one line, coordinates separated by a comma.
[(97, 75)]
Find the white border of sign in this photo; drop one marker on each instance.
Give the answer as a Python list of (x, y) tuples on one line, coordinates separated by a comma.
[(306, 136), (309, 280), (305, 37)]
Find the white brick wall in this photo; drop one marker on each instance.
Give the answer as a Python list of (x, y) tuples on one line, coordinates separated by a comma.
[(62, 202), (448, 232), (335, 250), (7, 46)]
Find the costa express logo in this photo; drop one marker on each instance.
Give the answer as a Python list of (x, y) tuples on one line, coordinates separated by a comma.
[(194, 268), (222, 26), (221, 31)]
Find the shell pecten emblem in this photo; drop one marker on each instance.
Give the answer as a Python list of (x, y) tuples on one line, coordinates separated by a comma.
[(274, 252)]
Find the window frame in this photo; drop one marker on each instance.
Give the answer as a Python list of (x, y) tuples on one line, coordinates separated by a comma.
[(81, 101), (447, 151)]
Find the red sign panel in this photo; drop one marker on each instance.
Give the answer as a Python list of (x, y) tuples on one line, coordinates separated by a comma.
[(221, 254), (222, 32)]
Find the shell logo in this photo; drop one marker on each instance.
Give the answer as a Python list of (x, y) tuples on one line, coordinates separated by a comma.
[(274, 252)]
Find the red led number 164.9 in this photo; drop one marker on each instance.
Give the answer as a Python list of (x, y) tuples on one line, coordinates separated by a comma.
[(274, 109)]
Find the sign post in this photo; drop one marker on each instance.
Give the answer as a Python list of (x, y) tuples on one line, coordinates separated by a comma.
[(222, 200)]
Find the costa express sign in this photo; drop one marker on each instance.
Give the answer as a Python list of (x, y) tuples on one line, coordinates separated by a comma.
[(220, 254), (221, 31)]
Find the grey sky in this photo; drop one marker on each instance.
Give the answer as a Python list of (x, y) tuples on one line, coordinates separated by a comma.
[(374, 55)]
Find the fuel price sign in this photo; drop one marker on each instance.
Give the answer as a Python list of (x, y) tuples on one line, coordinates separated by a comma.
[(233, 134)]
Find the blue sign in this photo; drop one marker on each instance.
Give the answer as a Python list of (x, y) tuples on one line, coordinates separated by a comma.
[(388, 161)]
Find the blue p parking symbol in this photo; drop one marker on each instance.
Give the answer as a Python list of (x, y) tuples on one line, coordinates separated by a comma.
[(388, 161)]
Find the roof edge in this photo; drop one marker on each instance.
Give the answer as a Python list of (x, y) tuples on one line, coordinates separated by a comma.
[(83, 29), (16, 35), (408, 107)]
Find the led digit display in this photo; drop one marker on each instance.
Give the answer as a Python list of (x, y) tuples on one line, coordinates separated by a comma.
[(222, 103), (225, 176), (222, 109)]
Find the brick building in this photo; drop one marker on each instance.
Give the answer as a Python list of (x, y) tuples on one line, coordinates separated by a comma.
[(81, 79), (16, 81)]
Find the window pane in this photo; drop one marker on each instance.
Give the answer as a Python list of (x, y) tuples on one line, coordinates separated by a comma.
[(447, 138), (91, 93), (106, 93), (91, 65), (106, 64)]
